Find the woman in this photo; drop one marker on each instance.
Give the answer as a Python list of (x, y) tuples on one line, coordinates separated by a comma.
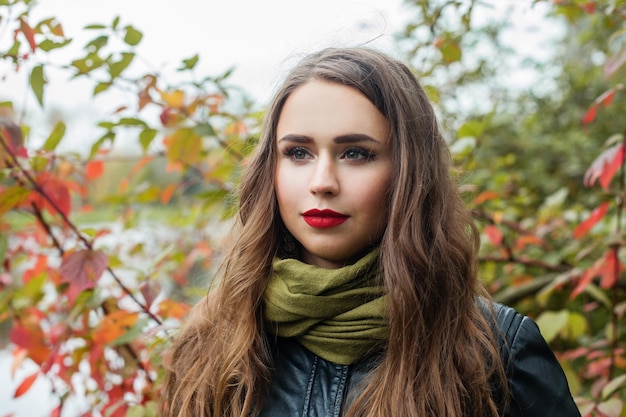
[(351, 284)]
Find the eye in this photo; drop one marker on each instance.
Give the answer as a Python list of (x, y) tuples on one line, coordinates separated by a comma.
[(297, 153), (358, 154)]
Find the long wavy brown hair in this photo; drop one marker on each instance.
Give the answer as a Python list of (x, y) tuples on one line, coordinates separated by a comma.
[(442, 358)]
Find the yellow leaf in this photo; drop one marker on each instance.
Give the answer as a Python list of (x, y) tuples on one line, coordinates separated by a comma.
[(174, 99)]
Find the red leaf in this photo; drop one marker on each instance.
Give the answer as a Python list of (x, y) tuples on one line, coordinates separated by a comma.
[(82, 270), (494, 234), (94, 169), (611, 271), (604, 99), (25, 385), (605, 166), (150, 291), (590, 115), (587, 277), (596, 215), (28, 335), (28, 32), (56, 190), (608, 268)]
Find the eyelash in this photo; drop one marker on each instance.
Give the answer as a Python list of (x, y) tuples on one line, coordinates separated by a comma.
[(362, 154)]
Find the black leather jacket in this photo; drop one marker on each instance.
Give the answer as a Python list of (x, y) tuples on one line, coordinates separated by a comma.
[(304, 384)]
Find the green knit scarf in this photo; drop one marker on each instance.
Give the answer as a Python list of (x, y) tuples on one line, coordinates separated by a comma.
[(338, 314)]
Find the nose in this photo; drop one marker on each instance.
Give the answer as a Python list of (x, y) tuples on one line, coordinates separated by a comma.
[(324, 178)]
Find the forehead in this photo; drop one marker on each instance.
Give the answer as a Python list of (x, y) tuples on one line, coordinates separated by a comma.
[(322, 108)]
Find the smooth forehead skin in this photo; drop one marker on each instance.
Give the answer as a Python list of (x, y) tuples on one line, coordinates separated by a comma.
[(313, 102)]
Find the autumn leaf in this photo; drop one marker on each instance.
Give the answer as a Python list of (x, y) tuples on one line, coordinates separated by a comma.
[(25, 385), (485, 196), (41, 265), (596, 215), (494, 234), (114, 325), (167, 193), (28, 334), (172, 309), (608, 268), (605, 99), (57, 193), (28, 32), (184, 146), (524, 240), (605, 166), (82, 269), (94, 169)]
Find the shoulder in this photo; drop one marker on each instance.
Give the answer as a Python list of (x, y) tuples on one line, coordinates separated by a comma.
[(537, 383)]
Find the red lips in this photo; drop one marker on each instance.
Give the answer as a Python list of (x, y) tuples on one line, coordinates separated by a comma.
[(323, 218)]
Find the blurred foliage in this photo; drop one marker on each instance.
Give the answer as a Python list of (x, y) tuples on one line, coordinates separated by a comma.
[(543, 170), (101, 254)]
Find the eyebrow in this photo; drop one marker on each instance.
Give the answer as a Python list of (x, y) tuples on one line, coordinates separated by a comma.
[(349, 138)]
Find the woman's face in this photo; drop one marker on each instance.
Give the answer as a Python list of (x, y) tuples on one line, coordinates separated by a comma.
[(333, 172)]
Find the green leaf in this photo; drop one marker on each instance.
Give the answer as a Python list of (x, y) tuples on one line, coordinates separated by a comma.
[(116, 68), (55, 137), (116, 22), (37, 83), (97, 43), (189, 63), (15, 49), (132, 36), (613, 385), (146, 137), (101, 87), (132, 121), (4, 245), (107, 137), (94, 26), (204, 129), (48, 45), (552, 323)]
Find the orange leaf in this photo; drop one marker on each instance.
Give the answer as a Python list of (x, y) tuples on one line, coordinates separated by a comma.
[(82, 269), (28, 32), (596, 215), (141, 163), (19, 355), (494, 234), (524, 240), (27, 334), (172, 309), (40, 266), (25, 385), (167, 194), (484, 196), (94, 169), (114, 325)]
